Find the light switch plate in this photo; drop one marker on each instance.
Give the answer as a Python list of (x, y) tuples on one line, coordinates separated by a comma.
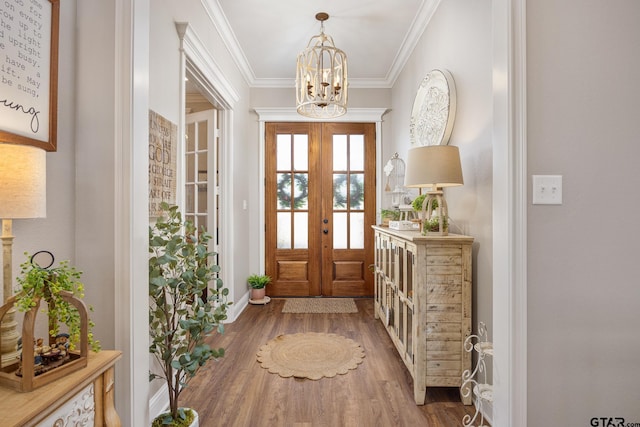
[(547, 189)]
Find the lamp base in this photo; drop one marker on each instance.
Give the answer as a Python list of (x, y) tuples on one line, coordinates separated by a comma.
[(429, 221), (10, 336), (9, 327)]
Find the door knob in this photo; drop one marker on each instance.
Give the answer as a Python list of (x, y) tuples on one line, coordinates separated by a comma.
[(326, 221), (325, 231)]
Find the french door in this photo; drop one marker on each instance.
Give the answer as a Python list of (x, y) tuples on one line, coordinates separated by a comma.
[(319, 208), (202, 175)]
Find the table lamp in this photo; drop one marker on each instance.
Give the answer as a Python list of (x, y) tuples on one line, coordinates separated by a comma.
[(23, 194), (434, 166)]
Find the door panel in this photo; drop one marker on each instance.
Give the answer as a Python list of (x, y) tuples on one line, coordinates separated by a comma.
[(291, 204), (348, 201), (319, 205), (202, 171)]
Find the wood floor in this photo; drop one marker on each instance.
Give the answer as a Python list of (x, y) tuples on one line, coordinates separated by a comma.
[(237, 391)]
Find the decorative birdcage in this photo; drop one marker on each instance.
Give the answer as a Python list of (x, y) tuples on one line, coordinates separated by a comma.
[(394, 171)]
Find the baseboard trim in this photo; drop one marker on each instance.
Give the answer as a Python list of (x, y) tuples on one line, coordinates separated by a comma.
[(158, 403), (237, 308), (486, 410)]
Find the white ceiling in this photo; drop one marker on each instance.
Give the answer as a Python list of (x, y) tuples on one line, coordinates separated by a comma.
[(265, 37)]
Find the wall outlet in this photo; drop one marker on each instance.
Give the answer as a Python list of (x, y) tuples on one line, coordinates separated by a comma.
[(547, 189)]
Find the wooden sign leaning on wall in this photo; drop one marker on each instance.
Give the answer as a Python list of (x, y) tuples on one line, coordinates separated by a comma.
[(163, 141), (29, 72)]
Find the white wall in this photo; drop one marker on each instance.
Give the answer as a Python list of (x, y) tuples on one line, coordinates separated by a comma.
[(56, 232), (458, 39), (110, 106), (241, 169), (164, 98), (583, 294), (95, 161)]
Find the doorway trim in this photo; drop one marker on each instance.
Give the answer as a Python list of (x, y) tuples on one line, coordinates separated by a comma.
[(196, 58), (289, 114), (509, 213)]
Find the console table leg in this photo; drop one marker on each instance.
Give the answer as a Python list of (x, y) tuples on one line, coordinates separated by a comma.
[(111, 418), (419, 394)]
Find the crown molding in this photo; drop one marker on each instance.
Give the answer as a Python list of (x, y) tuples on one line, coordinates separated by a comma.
[(221, 24), (419, 24), (289, 114), (423, 17), (197, 52)]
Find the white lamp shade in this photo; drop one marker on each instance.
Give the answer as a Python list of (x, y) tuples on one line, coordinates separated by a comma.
[(23, 182), (433, 166)]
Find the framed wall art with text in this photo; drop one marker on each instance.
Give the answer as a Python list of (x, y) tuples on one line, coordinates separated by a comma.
[(29, 72)]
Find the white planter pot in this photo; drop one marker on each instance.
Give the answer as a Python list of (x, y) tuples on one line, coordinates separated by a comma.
[(196, 418)]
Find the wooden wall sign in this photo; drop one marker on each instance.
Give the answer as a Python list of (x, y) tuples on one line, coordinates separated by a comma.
[(163, 141), (29, 72)]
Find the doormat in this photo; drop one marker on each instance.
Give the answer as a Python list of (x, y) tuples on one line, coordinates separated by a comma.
[(310, 355), (320, 305)]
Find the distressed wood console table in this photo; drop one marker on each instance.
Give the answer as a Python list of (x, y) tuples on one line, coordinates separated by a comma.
[(423, 297), (82, 395)]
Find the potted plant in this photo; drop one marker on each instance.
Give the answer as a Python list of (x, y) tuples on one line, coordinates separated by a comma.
[(181, 317), (432, 225), (257, 283), (65, 351), (50, 284), (417, 204), (387, 215)]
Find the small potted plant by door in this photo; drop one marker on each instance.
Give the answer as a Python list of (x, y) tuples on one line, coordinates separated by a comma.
[(257, 283)]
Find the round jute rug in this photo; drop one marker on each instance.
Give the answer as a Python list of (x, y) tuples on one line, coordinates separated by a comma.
[(310, 355)]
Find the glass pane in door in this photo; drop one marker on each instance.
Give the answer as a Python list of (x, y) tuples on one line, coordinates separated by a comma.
[(197, 159), (284, 190), (283, 152), (340, 230), (356, 230), (348, 191), (356, 152), (340, 151), (301, 152), (339, 191), (356, 191), (301, 191), (292, 193), (300, 227)]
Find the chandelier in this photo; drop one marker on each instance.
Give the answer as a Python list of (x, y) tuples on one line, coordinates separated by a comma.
[(321, 77)]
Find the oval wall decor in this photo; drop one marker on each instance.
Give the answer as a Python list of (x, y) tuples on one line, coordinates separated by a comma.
[(434, 110)]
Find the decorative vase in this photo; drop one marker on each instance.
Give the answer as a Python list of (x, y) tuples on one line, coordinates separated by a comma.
[(258, 294)]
